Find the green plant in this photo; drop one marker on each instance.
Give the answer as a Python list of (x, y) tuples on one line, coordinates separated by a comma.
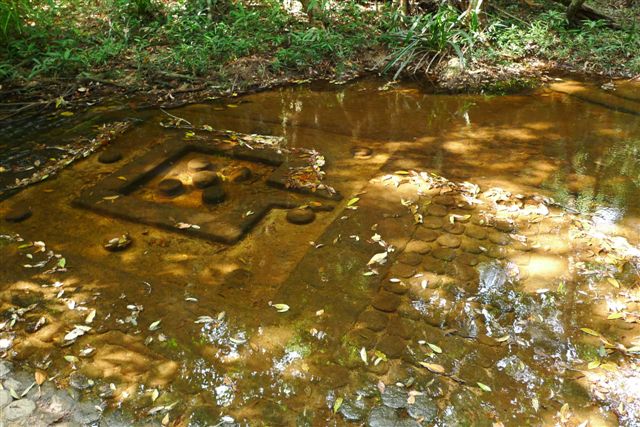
[(430, 38)]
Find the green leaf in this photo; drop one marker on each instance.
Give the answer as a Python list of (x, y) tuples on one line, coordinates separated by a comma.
[(434, 347), (337, 404), (62, 262), (590, 332), (484, 387), (281, 308)]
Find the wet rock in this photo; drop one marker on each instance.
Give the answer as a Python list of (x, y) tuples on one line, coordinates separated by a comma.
[(170, 187), (301, 216), (418, 246), (105, 391), (353, 410), (426, 234), (437, 210), (505, 226), (444, 200), (398, 326), (424, 408), (213, 195), (499, 238), (396, 287), (403, 271), (110, 156), (384, 416), (60, 403), (471, 246), (363, 337), (475, 232), (468, 259), (79, 381), (432, 222), (5, 398), (391, 345), (118, 243), (361, 153), (455, 228), (204, 179), (394, 397), (386, 301), (497, 252), (19, 409), (374, 319), (444, 254), (18, 214), (435, 265), (86, 413), (449, 241), (240, 175), (5, 368), (410, 258), (198, 164)]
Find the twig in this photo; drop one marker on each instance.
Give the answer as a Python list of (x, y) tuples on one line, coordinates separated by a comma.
[(179, 119)]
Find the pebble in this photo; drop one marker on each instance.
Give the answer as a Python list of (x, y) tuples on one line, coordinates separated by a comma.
[(170, 187), (301, 216), (109, 156), (18, 214), (444, 200), (505, 226), (86, 413), (198, 164), (204, 179), (117, 243), (19, 409), (398, 326), (79, 381), (213, 195), (471, 246), (353, 411), (5, 368), (386, 301), (468, 259), (361, 153)]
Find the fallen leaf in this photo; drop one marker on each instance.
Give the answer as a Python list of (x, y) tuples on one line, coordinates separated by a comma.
[(433, 367), (484, 387)]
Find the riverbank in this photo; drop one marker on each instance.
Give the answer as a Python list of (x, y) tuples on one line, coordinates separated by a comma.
[(167, 54)]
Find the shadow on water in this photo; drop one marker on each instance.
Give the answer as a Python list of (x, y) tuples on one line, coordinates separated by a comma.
[(446, 289)]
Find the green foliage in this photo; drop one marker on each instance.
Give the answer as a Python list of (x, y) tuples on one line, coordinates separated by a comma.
[(429, 38)]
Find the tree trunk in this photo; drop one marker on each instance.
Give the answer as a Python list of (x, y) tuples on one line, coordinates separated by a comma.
[(572, 11)]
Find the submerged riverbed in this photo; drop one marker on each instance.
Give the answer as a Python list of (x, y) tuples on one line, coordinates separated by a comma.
[(470, 260)]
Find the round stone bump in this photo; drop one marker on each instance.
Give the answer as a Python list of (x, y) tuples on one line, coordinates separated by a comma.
[(170, 187), (444, 200), (301, 216), (499, 238), (436, 210), (426, 234), (392, 346), (204, 179), (374, 319), (213, 195), (361, 153), (240, 175), (394, 397), (198, 164), (455, 228), (109, 156), (444, 254), (476, 232), (505, 226), (432, 222), (418, 246), (449, 241), (410, 258), (403, 271), (18, 214), (386, 301), (424, 409)]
